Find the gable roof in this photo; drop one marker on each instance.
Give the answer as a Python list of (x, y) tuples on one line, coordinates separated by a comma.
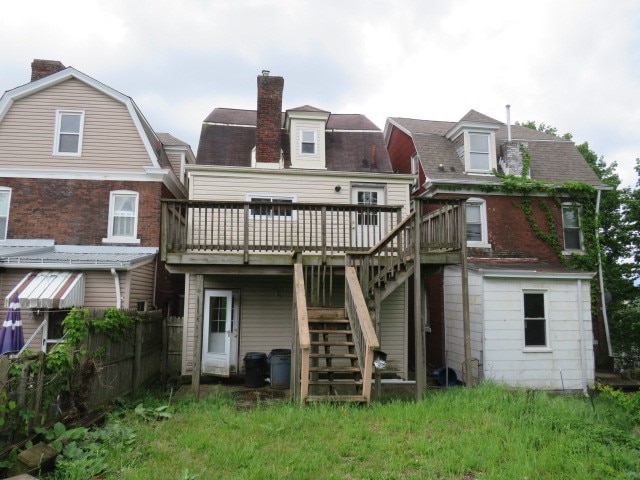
[(229, 135), (145, 131), (553, 159)]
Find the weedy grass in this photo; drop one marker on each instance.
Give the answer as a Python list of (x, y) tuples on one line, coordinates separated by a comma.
[(489, 432)]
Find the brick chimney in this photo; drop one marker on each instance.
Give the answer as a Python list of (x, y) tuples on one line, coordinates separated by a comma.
[(269, 121), (44, 68)]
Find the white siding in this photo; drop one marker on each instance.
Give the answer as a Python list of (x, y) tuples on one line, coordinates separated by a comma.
[(454, 336), (393, 334), (110, 139), (502, 352), (265, 313), (233, 185)]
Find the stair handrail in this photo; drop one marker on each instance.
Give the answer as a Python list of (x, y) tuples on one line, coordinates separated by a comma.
[(302, 339), (390, 252), (364, 333)]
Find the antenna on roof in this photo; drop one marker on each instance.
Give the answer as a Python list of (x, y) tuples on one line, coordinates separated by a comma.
[(508, 123), (265, 73)]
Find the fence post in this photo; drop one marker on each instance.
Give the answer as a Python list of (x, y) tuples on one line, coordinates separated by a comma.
[(137, 358), (164, 352)]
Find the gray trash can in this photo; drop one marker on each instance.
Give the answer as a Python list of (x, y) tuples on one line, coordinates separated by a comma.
[(280, 362)]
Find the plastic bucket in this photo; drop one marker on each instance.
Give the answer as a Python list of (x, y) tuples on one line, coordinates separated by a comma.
[(442, 374)]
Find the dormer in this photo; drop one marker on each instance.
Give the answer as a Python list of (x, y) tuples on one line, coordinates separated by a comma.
[(474, 137), (306, 127)]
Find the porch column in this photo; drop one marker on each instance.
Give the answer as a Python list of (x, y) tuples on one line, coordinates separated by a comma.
[(197, 332), (418, 321)]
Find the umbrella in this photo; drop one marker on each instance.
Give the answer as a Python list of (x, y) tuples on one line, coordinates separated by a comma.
[(11, 336)]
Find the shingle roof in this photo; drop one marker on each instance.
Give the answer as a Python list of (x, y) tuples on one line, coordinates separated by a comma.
[(168, 139), (553, 159), (228, 136)]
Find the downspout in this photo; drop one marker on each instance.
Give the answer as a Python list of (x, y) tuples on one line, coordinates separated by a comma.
[(601, 280), (583, 346), (155, 285), (116, 278)]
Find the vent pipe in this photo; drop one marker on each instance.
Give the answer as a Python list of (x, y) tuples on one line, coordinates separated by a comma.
[(508, 123)]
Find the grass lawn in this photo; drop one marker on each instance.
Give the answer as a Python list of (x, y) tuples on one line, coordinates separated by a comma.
[(489, 432)]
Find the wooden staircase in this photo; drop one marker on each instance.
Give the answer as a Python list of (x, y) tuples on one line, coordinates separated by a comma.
[(334, 373)]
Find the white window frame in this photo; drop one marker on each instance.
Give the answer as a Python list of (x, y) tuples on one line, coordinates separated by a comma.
[(484, 234), (488, 153), (5, 215), (58, 132), (273, 197), (315, 141), (536, 348), (578, 209), (122, 238)]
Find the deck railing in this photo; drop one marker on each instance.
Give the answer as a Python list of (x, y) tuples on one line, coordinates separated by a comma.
[(301, 338), (190, 226), (364, 334), (442, 229)]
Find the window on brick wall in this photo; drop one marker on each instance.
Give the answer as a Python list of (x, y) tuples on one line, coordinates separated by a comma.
[(68, 135), (477, 235), (5, 200), (123, 217), (571, 228)]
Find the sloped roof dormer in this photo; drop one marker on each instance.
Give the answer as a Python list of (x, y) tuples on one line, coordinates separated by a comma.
[(474, 138), (306, 127)]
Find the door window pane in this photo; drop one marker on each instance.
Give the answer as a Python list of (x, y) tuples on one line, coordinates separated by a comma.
[(217, 324)]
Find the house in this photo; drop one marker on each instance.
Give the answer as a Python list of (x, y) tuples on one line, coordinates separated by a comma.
[(528, 318), (301, 208), (81, 177)]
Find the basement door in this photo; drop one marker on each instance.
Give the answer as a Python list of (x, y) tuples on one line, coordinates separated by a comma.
[(220, 332), (367, 225)]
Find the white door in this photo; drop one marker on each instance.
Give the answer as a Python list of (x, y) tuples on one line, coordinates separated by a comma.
[(368, 226), (220, 332)]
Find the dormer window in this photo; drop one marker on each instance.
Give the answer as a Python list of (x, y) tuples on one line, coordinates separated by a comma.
[(479, 152), (308, 142)]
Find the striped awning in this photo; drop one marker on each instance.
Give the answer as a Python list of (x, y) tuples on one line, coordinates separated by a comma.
[(49, 289)]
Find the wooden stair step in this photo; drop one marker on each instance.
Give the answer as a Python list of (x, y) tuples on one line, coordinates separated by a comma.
[(334, 369), (328, 320), (333, 355), (336, 382), (337, 398), (325, 313), (333, 344), (331, 331)]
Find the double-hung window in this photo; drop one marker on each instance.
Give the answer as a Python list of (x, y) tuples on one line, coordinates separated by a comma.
[(477, 223), (265, 206), (5, 200), (308, 142), (571, 227), (479, 152), (535, 320), (68, 135), (123, 217)]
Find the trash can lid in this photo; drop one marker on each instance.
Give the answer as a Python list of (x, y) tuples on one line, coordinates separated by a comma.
[(255, 355), (281, 351)]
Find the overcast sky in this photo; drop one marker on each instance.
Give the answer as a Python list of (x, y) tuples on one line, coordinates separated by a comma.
[(572, 64)]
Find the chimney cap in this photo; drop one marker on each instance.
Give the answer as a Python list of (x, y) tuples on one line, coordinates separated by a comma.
[(265, 73)]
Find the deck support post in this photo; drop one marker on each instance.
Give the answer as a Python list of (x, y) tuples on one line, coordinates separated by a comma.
[(466, 323), (418, 321), (197, 332)]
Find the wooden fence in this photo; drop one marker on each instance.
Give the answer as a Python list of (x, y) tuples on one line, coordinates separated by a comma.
[(173, 329), (31, 396)]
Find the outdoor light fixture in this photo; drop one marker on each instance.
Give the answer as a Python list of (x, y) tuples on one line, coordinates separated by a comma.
[(338, 188)]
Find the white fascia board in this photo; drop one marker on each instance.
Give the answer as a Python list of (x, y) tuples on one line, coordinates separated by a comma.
[(476, 126), (390, 121), (251, 171), (536, 274), (136, 115)]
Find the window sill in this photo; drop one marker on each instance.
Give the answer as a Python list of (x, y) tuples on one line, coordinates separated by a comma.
[(133, 241), (67, 154), (573, 252), (478, 245), (537, 350)]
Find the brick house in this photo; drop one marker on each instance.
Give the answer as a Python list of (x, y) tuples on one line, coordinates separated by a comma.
[(81, 178), (529, 315)]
